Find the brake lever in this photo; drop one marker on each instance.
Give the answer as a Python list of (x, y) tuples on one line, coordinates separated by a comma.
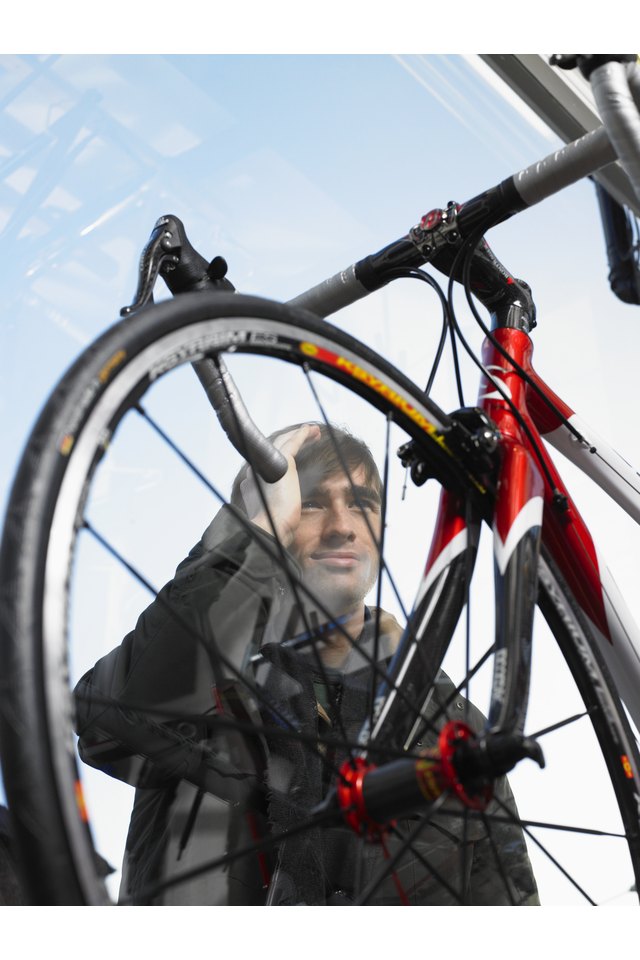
[(170, 254), (158, 250)]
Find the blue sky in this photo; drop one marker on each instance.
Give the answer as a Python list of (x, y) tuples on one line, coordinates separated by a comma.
[(292, 167)]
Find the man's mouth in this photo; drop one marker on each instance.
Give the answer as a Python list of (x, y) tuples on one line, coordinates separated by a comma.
[(336, 558)]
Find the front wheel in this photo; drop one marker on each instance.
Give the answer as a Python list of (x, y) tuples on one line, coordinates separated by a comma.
[(212, 732)]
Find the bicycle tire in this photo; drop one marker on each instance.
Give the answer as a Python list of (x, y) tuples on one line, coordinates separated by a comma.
[(50, 492), (571, 631)]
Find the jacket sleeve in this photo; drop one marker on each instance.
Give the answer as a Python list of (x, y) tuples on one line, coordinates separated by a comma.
[(142, 711)]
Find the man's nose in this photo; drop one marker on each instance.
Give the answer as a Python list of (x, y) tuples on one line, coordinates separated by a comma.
[(339, 523)]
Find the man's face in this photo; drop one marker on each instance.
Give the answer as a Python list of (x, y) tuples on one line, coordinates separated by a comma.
[(333, 544)]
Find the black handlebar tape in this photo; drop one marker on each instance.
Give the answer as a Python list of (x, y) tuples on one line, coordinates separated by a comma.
[(489, 208), (478, 214)]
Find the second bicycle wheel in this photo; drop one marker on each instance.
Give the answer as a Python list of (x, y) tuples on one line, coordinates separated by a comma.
[(212, 732)]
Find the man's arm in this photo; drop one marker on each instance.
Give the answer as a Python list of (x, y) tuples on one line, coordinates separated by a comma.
[(136, 700), (221, 601)]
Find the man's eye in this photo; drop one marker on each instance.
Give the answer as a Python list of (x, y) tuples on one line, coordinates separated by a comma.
[(310, 505), (369, 506)]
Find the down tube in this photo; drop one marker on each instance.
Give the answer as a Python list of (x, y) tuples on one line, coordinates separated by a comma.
[(441, 597), (571, 544)]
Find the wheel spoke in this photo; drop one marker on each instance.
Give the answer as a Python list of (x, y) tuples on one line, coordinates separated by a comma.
[(560, 724), (218, 658), (347, 474), (498, 859), (383, 526), (216, 863), (408, 845), (298, 586)]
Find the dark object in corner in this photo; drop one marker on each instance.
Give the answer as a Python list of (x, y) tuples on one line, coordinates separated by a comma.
[(10, 893), (623, 248)]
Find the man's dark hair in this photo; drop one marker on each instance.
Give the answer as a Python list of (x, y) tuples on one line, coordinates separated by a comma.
[(335, 449)]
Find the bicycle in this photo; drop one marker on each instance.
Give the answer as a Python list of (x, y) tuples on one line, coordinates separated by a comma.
[(403, 764)]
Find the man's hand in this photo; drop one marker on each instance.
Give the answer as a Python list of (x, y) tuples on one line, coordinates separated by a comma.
[(282, 498)]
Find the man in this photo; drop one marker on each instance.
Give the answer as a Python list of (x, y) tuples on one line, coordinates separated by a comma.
[(329, 522), (275, 591)]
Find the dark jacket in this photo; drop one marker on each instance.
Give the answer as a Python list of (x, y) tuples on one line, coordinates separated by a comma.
[(10, 890), (149, 713)]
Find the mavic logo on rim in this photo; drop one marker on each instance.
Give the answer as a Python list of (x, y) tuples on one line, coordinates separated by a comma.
[(498, 373), (375, 383)]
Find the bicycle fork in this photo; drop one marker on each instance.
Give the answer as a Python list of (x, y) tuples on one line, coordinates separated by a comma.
[(517, 528), (460, 761)]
